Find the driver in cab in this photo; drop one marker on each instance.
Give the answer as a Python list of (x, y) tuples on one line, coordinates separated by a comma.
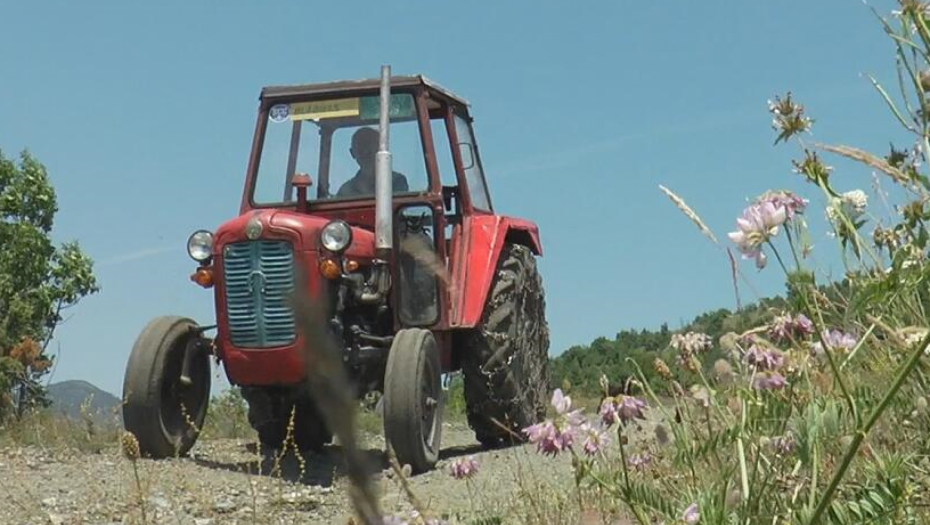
[(364, 149)]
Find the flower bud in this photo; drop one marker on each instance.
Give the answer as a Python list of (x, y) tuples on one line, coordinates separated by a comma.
[(605, 384), (130, 446), (662, 369), (925, 80)]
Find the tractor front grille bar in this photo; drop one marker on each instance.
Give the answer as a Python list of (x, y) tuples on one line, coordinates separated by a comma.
[(259, 277)]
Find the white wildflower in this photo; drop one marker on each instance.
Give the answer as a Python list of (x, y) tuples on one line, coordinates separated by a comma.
[(852, 204)]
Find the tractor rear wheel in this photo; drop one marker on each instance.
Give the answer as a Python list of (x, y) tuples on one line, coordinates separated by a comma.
[(413, 399), (164, 412), (270, 416), (506, 360)]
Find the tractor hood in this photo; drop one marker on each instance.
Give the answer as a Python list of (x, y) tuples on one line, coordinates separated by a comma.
[(301, 229)]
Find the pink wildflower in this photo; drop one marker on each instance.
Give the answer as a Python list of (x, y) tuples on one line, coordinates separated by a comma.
[(609, 414), (783, 445), (757, 226), (785, 327), (769, 381), (464, 468), (639, 462), (630, 408), (538, 432), (549, 438), (552, 437), (563, 407), (691, 515), (836, 340), (791, 202), (764, 359), (803, 325), (621, 408), (560, 402), (595, 439), (782, 327)]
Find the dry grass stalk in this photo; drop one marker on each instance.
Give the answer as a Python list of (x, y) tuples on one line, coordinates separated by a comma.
[(517, 438), (421, 251), (131, 451), (401, 477), (734, 272), (689, 213), (328, 381), (867, 159)]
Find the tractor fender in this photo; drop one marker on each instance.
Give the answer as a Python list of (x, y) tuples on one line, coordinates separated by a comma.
[(475, 255)]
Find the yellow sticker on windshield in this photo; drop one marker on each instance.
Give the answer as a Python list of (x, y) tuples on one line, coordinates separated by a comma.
[(346, 107)]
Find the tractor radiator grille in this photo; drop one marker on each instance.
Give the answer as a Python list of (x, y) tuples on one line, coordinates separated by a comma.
[(259, 275)]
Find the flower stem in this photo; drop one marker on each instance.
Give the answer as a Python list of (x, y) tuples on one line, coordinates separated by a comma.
[(814, 314), (743, 473), (626, 472), (624, 495), (628, 489), (794, 250), (815, 464), (135, 471), (679, 431), (778, 257), (912, 361)]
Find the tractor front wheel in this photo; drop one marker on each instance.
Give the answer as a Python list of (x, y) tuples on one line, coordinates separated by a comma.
[(163, 407), (413, 399), (506, 360)]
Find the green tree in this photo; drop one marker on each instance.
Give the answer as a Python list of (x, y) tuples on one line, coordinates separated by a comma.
[(38, 281)]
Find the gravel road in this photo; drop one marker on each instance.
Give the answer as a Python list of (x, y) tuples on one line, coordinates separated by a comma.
[(228, 482)]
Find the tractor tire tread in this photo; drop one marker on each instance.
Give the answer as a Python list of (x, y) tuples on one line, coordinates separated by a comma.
[(506, 362)]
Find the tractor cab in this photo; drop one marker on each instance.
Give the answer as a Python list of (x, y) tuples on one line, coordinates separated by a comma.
[(329, 133)]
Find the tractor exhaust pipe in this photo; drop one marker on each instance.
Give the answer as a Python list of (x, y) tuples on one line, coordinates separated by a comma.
[(384, 173), (378, 285)]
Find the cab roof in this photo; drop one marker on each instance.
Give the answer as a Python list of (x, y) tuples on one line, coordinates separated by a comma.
[(354, 86)]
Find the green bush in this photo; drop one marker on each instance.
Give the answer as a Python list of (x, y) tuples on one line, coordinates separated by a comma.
[(227, 417)]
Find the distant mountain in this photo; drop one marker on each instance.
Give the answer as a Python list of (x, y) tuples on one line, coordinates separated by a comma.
[(68, 396)]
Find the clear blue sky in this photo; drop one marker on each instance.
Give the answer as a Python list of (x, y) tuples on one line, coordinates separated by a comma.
[(144, 112)]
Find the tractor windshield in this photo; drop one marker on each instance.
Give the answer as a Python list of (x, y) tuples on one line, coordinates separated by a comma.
[(335, 141)]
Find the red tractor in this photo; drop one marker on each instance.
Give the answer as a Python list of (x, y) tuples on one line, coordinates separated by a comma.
[(419, 278)]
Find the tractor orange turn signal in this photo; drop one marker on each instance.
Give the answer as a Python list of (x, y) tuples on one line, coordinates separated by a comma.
[(203, 277), (351, 265), (330, 269)]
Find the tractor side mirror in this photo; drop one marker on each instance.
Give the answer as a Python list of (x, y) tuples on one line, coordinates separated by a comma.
[(467, 154)]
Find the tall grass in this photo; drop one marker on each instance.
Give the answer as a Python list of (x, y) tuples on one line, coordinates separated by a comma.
[(47, 429)]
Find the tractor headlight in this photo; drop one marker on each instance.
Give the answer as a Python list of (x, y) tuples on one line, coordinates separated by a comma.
[(200, 245), (336, 236)]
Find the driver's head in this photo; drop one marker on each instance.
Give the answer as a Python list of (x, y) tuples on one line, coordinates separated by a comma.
[(364, 147)]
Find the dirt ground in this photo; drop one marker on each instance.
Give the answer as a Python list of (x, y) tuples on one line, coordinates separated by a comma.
[(228, 482)]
